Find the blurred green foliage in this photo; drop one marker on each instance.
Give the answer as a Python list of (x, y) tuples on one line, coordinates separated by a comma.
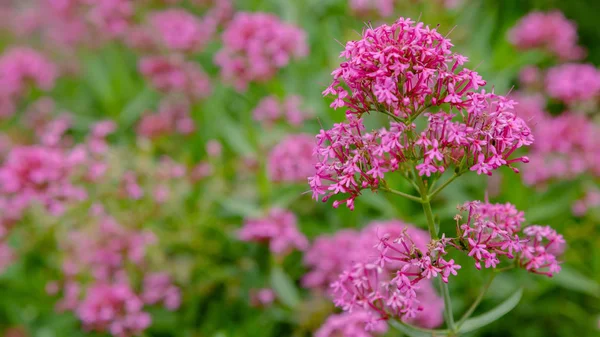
[(217, 272)]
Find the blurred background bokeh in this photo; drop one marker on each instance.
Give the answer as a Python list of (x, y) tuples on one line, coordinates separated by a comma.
[(138, 136)]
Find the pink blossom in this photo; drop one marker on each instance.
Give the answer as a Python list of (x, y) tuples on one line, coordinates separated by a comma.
[(271, 109), (20, 65), (113, 308), (550, 31), (263, 297), (403, 70), (158, 288), (256, 46), (111, 16), (278, 228), (382, 8), (172, 117), (39, 174), (572, 82), (331, 258), (492, 231), (173, 75), (351, 324), (179, 30), (292, 159)]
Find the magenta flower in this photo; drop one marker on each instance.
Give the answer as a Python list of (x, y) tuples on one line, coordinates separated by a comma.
[(38, 174), (278, 228), (401, 71), (292, 159), (179, 30), (20, 65), (352, 324), (113, 308), (256, 46), (572, 82), (349, 252), (172, 117), (494, 230), (549, 31), (271, 109), (158, 288), (173, 75)]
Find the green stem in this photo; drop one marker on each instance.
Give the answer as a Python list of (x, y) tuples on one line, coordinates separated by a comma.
[(406, 195), (439, 189), (473, 306), (429, 215), (448, 315)]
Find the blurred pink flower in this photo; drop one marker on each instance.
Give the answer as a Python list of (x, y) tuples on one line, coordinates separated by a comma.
[(550, 31), (19, 65), (38, 174), (113, 308), (291, 160), (173, 75), (158, 288), (278, 228), (255, 46), (271, 109), (352, 324), (572, 82), (173, 117), (179, 30)]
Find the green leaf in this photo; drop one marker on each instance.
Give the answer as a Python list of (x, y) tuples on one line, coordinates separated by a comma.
[(134, 109), (573, 280), (413, 331), (235, 136), (240, 207), (484, 319), (284, 288)]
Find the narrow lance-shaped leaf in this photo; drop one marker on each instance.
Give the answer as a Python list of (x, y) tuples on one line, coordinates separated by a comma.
[(492, 315), (413, 331), (284, 287)]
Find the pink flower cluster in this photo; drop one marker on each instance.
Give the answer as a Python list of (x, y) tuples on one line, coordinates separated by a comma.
[(110, 16), (278, 228), (39, 174), (383, 8), (576, 152), (573, 82), (550, 31), (172, 117), (113, 308), (494, 230), (271, 109), (350, 324), (158, 288), (402, 70), (291, 160), (591, 199), (394, 284), (350, 252), (107, 302), (176, 30), (20, 66), (170, 74), (255, 46)]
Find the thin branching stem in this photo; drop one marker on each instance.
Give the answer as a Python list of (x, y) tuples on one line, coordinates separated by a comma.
[(406, 195), (478, 300)]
